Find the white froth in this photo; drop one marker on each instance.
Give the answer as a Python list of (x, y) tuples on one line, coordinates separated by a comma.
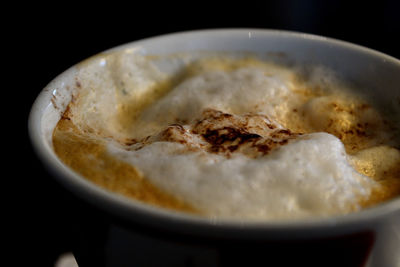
[(237, 92), (310, 176), (107, 84)]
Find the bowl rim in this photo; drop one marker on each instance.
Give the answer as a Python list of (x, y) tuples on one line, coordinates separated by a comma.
[(137, 212)]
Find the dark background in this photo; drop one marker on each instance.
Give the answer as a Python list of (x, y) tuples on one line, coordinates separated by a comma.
[(49, 39)]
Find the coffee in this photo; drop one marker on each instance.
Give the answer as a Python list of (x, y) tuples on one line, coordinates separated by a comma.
[(228, 136)]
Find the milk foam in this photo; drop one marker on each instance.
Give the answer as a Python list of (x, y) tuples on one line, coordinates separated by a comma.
[(264, 90), (309, 175)]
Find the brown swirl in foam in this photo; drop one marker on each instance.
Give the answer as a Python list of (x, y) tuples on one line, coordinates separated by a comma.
[(253, 135)]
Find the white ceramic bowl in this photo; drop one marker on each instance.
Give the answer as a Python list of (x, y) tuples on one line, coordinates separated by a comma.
[(377, 74)]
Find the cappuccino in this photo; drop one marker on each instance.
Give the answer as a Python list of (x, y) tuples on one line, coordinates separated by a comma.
[(228, 136)]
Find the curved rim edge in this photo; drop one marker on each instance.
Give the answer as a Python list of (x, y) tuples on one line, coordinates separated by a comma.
[(181, 222)]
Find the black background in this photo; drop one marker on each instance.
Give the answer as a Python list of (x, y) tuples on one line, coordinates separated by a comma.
[(44, 41)]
